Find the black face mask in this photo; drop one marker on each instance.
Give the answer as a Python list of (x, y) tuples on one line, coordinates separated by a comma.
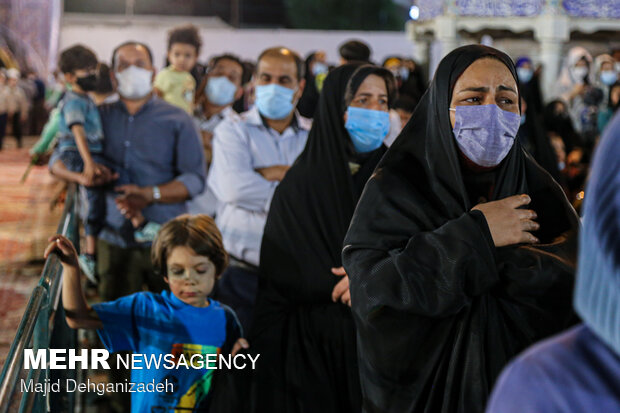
[(87, 83)]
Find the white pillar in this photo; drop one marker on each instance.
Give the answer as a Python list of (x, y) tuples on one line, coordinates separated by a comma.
[(552, 31), (419, 42), (445, 32)]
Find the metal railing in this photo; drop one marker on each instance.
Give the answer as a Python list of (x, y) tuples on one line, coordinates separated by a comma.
[(42, 325)]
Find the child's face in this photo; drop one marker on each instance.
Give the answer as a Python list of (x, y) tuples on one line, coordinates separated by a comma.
[(72, 78), (182, 56), (190, 276)]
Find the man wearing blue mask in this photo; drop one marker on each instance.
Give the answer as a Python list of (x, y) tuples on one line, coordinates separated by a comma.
[(251, 155), (217, 92)]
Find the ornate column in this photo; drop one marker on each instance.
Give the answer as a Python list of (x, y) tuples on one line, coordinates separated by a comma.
[(445, 32), (552, 31), (445, 27), (420, 43)]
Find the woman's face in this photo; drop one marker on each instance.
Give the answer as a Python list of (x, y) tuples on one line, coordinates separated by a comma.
[(607, 66), (372, 94), (320, 56), (559, 109), (582, 63), (485, 82)]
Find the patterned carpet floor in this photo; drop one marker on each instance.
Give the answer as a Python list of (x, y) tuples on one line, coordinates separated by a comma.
[(26, 222)]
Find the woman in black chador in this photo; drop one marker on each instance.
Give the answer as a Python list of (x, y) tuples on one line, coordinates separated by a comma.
[(303, 327), (461, 250)]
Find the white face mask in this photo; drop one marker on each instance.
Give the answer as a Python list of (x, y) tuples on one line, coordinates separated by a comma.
[(579, 73), (134, 82)]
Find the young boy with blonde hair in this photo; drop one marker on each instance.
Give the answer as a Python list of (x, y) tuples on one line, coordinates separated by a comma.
[(188, 253)]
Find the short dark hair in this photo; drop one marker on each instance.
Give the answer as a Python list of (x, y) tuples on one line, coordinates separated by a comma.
[(75, 58), (104, 83), (130, 43), (362, 73), (187, 34), (197, 232), (287, 54), (231, 57), (355, 51)]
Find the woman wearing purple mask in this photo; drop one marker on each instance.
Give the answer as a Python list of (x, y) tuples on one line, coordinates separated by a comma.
[(461, 249)]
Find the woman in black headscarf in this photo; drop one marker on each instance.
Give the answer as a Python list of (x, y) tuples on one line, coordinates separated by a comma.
[(450, 278), (315, 66), (303, 327), (534, 139)]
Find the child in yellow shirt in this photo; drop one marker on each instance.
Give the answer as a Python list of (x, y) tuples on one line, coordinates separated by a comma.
[(174, 83)]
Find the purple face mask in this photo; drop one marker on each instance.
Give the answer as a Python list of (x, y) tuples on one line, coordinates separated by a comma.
[(485, 133)]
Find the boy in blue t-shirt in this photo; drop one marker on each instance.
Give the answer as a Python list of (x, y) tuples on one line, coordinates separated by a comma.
[(189, 254), (80, 142)]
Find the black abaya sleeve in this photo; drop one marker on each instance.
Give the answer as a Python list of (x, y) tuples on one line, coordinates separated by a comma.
[(432, 273)]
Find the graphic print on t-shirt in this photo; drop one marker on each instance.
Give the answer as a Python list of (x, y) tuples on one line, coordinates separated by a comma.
[(200, 388)]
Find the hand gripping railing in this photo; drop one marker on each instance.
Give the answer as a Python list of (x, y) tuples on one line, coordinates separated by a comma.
[(43, 323)]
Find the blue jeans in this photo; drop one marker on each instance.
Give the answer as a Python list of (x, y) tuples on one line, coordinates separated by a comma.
[(95, 218)]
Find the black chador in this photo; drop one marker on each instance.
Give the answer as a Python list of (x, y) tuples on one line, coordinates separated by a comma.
[(306, 341), (439, 310)]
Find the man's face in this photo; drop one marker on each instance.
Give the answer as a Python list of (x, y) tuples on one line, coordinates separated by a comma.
[(281, 71), (230, 69), (131, 55)]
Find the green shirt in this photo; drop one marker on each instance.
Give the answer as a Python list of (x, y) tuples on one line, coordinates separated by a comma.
[(177, 88)]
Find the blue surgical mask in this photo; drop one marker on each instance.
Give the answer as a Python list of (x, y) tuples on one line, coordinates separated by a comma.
[(522, 119), (220, 91), (485, 133), (319, 68), (274, 101), (404, 73), (367, 127), (524, 74), (608, 77)]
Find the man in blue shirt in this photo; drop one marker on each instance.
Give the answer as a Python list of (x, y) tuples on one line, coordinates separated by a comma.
[(156, 150), (251, 155)]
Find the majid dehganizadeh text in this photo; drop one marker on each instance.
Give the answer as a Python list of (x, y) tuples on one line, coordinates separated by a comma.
[(63, 359)]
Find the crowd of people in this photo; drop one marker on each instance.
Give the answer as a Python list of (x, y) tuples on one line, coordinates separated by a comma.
[(383, 243), (22, 104)]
